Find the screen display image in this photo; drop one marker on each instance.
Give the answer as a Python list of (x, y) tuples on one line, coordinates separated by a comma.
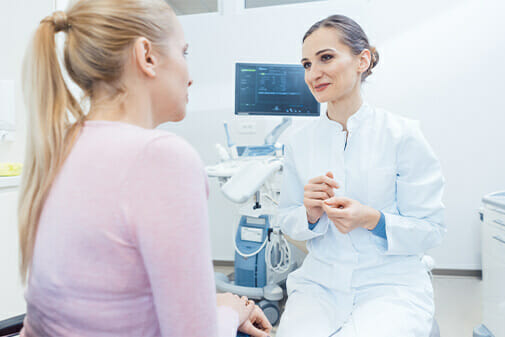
[(273, 90)]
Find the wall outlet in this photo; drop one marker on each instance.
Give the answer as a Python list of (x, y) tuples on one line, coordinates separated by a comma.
[(247, 127)]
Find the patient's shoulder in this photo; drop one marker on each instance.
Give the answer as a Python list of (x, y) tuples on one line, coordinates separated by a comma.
[(163, 146)]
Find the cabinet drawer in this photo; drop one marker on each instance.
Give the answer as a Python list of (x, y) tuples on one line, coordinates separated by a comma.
[(493, 268), (494, 217), (496, 242)]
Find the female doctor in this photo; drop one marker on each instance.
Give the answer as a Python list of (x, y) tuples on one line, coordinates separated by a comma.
[(364, 188)]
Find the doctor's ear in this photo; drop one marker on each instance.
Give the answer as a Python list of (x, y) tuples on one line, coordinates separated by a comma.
[(144, 57), (365, 59)]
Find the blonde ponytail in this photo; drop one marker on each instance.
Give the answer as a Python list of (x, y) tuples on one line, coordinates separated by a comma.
[(99, 32), (48, 101)]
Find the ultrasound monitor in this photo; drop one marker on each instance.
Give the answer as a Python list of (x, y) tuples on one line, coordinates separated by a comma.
[(273, 90)]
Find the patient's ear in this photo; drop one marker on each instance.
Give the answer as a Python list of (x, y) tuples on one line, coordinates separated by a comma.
[(144, 57)]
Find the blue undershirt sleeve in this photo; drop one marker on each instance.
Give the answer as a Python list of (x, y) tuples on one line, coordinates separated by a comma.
[(313, 225), (380, 229)]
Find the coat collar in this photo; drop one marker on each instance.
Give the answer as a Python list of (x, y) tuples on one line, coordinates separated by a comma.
[(354, 122)]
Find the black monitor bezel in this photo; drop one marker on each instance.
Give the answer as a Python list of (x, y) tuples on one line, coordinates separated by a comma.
[(267, 113)]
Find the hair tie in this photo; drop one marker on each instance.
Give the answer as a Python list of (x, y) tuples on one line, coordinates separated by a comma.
[(60, 21), (373, 56)]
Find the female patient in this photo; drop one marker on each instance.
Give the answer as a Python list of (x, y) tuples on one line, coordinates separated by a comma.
[(113, 215)]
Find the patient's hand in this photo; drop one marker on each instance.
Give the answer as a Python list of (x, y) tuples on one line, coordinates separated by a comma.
[(241, 305), (257, 325)]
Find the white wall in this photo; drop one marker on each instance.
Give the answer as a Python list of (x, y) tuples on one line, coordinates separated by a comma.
[(18, 20), (446, 73), (441, 63)]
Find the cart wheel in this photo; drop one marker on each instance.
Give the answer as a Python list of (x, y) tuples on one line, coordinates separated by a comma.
[(271, 310)]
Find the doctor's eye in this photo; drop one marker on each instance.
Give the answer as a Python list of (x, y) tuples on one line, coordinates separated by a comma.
[(326, 57), (306, 65)]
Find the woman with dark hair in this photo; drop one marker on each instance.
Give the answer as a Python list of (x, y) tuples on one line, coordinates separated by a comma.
[(364, 188)]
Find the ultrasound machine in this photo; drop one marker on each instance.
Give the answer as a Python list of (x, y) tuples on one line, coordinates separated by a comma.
[(250, 176)]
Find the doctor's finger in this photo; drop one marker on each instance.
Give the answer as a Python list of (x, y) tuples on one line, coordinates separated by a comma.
[(320, 188), (330, 182), (324, 180), (339, 201), (333, 212), (317, 187), (326, 188), (330, 191), (312, 202), (316, 195)]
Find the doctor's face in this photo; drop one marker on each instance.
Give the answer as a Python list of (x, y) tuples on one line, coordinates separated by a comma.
[(331, 69)]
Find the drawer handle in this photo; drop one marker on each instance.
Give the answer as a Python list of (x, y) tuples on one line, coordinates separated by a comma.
[(497, 210), (497, 238), (499, 222)]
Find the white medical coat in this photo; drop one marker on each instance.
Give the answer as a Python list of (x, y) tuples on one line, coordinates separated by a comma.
[(385, 163)]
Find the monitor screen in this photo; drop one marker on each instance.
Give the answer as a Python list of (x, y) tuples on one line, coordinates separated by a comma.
[(273, 90)]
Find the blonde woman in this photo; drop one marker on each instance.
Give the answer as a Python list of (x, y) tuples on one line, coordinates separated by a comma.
[(113, 215)]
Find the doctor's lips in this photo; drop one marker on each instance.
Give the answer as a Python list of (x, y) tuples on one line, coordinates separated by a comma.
[(321, 87)]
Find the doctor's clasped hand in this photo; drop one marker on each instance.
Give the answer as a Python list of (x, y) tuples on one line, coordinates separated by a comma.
[(345, 213), (315, 192), (348, 214)]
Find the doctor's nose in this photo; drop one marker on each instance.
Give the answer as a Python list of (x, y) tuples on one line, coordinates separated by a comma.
[(313, 74)]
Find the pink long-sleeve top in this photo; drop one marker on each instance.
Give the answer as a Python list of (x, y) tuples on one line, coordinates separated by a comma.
[(122, 246)]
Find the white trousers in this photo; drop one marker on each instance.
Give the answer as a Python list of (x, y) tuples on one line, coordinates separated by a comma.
[(379, 311)]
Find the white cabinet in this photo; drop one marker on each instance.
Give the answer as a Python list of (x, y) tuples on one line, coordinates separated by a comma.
[(493, 263), (11, 292)]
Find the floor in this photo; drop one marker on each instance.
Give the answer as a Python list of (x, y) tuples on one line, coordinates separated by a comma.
[(457, 301), (457, 305)]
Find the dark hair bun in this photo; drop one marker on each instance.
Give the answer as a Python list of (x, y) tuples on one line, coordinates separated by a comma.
[(375, 57)]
